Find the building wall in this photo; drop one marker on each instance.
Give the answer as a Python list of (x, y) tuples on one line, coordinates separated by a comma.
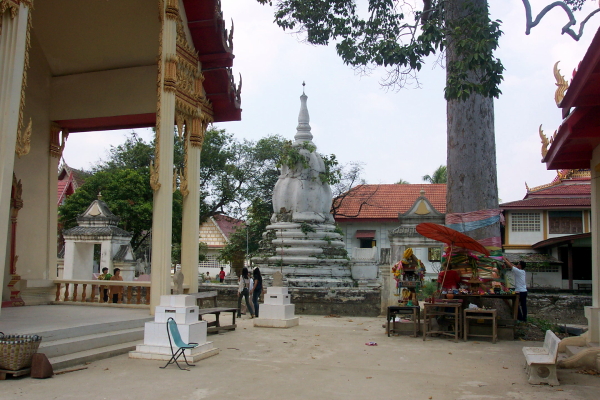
[(36, 231), (381, 233), (211, 235)]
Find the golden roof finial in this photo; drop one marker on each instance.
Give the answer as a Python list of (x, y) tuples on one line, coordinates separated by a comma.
[(561, 83), (545, 142)]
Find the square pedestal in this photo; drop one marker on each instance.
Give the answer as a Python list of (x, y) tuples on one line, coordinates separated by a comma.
[(181, 315), (155, 333), (184, 311), (277, 299), (272, 311)]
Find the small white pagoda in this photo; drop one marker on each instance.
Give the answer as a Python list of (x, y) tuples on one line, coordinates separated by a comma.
[(97, 225)]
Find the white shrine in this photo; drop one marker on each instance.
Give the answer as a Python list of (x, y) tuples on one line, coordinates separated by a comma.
[(183, 309), (97, 225)]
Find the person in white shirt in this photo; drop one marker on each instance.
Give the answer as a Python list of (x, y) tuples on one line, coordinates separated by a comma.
[(520, 287)]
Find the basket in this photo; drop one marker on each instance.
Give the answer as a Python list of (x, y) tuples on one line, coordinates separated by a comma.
[(16, 351)]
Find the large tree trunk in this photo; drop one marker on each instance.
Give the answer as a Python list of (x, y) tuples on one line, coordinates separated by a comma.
[(471, 159)]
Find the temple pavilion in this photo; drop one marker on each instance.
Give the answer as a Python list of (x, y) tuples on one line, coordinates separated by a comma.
[(576, 144), (72, 66)]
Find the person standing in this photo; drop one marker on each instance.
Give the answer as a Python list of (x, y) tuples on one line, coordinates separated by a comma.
[(116, 291), (105, 276), (520, 286), (256, 289), (243, 290), (222, 275)]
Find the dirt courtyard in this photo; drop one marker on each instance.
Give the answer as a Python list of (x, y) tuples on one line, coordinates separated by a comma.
[(322, 358)]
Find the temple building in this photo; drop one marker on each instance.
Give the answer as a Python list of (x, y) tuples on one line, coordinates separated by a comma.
[(70, 67), (550, 230), (215, 233), (576, 144), (379, 221)]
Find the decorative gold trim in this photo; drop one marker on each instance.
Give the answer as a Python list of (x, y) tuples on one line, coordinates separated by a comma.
[(155, 164), (170, 77), (172, 9), (174, 179), (183, 184), (57, 141), (13, 7), (561, 83), (23, 144)]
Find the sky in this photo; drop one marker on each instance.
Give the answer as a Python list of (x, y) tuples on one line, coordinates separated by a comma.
[(394, 134)]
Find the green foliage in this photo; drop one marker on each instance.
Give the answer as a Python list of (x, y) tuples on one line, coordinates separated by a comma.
[(248, 236), (439, 175), (384, 36), (427, 290), (293, 156), (543, 324), (402, 182), (306, 228)]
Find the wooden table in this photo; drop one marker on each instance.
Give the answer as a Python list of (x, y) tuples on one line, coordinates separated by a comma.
[(415, 311), (506, 297), (477, 314), (439, 309)]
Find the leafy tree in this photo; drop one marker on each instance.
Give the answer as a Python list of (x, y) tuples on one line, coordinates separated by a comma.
[(386, 37), (439, 175), (402, 182)]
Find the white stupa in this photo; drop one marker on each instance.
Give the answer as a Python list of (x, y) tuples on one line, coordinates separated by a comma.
[(301, 241)]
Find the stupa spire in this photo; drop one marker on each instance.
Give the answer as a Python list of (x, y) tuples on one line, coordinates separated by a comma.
[(303, 130)]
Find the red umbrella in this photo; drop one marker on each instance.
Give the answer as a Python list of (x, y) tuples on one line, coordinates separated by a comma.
[(450, 236)]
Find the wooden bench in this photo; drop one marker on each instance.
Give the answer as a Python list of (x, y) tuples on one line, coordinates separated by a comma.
[(214, 326), (541, 361)]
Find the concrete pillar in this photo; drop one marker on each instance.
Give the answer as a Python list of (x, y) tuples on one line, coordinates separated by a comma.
[(13, 43), (191, 215), (163, 196), (593, 313)]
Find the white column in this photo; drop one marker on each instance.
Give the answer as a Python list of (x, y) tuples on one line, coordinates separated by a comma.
[(13, 41), (163, 197), (190, 224), (593, 313)]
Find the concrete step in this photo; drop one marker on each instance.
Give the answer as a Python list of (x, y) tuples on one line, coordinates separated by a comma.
[(56, 348), (96, 328), (87, 356)]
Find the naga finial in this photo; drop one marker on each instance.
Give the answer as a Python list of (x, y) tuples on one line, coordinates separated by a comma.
[(545, 142), (561, 83)]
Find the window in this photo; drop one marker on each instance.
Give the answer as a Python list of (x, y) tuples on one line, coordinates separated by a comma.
[(565, 222), (368, 243), (542, 268), (525, 222), (434, 254)]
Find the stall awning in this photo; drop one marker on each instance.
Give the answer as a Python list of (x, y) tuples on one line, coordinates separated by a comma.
[(364, 234)]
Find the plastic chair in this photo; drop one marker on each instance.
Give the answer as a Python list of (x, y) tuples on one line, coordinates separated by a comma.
[(172, 330)]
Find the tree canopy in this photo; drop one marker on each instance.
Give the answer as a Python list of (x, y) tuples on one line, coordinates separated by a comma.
[(439, 175)]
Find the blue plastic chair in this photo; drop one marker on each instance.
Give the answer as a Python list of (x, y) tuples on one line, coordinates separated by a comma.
[(172, 330)]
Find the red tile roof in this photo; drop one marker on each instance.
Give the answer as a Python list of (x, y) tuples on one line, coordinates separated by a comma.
[(542, 202), (227, 224), (387, 201), (580, 189)]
